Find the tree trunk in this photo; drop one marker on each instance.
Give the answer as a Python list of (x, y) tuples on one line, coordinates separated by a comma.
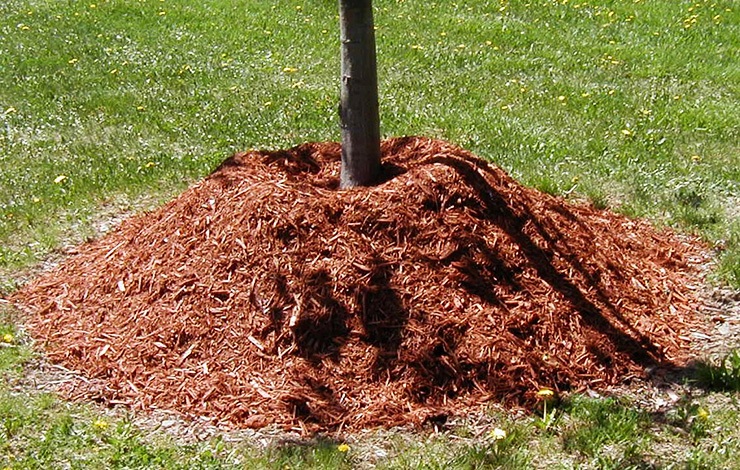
[(358, 108)]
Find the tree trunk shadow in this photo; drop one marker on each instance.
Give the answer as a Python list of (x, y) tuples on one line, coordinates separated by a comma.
[(636, 345)]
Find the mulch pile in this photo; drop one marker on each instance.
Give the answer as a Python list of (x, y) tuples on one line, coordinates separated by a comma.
[(265, 295)]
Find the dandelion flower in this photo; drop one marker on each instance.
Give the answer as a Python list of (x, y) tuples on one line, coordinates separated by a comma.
[(343, 448), (545, 393), (100, 424), (8, 338), (497, 434), (702, 414)]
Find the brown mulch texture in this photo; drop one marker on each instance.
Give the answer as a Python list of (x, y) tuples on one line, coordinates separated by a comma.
[(265, 295)]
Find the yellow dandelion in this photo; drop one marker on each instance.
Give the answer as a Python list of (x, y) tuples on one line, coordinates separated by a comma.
[(545, 393), (343, 448), (8, 338), (100, 424), (695, 158), (702, 413)]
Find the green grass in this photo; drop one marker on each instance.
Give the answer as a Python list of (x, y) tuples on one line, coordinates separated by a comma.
[(601, 423), (116, 105), (633, 105), (723, 376), (39, 430)]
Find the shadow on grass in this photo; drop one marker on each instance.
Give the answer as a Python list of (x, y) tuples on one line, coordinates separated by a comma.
[(720, 376)]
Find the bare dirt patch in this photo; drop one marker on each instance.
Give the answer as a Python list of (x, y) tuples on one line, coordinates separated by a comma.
[(265, 295)]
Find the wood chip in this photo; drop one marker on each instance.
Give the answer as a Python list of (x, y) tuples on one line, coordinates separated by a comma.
[(446, 286)]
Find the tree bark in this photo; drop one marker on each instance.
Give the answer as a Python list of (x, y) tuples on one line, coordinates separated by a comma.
[(358, 108)]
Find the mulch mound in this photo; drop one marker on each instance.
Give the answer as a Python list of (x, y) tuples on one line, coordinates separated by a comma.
[(265, 295)]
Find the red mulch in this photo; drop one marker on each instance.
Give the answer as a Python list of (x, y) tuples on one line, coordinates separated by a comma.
[(264, 294)]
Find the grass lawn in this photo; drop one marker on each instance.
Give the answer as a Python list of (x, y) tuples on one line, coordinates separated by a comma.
[(113, 106)]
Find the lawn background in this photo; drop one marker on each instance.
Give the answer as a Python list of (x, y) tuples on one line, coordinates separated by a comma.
[(112, 107), (631, 105)]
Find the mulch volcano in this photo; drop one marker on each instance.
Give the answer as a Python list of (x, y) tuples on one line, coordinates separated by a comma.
[(265, 295)]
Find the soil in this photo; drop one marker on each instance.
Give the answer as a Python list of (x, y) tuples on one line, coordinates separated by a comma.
[(265, 295)]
